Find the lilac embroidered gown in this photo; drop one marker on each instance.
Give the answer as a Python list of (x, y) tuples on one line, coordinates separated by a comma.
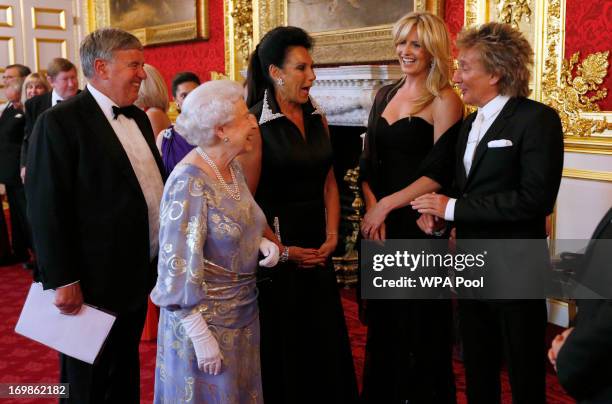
[(209, 245)]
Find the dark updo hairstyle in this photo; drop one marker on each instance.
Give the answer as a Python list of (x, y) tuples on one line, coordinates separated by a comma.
[(271, 50)]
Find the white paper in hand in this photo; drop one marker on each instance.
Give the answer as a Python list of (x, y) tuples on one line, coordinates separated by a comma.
[(80, 336)]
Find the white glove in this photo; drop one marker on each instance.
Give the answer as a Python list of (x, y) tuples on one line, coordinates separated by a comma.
[(270, 252), (204, 343)]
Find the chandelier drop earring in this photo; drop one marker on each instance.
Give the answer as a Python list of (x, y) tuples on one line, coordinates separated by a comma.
[(280, 82)]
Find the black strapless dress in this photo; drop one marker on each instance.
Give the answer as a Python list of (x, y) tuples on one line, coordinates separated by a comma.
[(409, 343)]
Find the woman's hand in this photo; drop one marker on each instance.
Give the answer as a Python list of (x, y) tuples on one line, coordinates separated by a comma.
[(372, 225), (321, 255), (301, 255)]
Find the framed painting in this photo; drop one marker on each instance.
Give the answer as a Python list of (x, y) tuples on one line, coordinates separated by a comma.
[(155, 21), (345, 31)]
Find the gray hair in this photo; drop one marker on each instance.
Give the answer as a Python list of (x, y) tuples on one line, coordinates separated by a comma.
[(208, 106), (101, 44)]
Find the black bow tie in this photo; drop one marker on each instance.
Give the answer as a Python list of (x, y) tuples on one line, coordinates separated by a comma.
[(128, 111)]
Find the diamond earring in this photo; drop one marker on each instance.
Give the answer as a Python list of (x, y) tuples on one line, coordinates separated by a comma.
[(280, 82)]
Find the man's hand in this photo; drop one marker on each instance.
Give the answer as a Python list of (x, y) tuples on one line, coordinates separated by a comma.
[(556, 346), (69, 299), (433, 204), (430, 224)]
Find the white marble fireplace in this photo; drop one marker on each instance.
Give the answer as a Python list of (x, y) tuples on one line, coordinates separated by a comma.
[(346, 93)]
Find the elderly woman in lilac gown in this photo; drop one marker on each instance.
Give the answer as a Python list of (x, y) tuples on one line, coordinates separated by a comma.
[(210, 237)]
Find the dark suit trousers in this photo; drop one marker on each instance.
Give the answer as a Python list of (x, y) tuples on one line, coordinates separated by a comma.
[(514, 330), (19, 222), (115, 376)]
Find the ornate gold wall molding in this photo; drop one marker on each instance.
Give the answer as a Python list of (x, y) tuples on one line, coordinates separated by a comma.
[(513, 11), (563, 84), (239, 31), (592, 175), (567, 93)]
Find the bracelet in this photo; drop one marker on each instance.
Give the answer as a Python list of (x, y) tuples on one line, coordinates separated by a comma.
[(284, 257), (332, 234)]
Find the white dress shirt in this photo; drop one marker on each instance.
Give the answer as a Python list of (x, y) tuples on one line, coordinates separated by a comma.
[(141, 159), (55, 98), (484, 119)]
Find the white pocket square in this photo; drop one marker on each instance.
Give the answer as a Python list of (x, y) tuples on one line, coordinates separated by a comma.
[(499, 143)]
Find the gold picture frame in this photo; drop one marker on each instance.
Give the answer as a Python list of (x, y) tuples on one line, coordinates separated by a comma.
[(196, 28), (358, 45), (246, 22)]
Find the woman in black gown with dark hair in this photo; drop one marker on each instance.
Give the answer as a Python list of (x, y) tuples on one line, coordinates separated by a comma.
[(409, 151), (305, 350)]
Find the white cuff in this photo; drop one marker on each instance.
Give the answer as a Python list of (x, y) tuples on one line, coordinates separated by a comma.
[(449, 212)]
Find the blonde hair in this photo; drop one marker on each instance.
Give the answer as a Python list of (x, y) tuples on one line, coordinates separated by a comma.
[(504, 52), (34, 78), (153, 92), (433, 37)]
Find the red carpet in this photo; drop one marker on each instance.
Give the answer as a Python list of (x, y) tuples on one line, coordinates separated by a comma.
[(22, 360)]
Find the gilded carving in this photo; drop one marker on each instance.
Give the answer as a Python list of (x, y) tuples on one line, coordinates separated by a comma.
[(569, 96), (513, 11), (471, 12), (243, 28)]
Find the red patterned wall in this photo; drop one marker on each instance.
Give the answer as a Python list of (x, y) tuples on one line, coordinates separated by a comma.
[(453, 15), (588, 29), (200, 57)]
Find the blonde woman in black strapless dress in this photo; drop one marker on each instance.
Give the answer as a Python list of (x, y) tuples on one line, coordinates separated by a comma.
[(409, 151)]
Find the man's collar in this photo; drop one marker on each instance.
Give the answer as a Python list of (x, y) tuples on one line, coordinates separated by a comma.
[(105, 103), (55, 98), (494, 106), (270, 110)]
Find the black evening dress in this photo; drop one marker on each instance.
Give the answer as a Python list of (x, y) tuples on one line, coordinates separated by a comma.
[(305, 349), (409, 342)]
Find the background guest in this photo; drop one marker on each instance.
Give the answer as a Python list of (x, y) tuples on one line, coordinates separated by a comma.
[(34, 84), (216, 357), (582, 355), (153, 99), (12, 122), (304, 340), (62, 75), (173, 146), (410, 144), (11, 72)]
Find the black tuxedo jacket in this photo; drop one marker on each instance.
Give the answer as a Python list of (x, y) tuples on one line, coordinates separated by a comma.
[(510, 190), (34, 107), (87, 211), (507, 195), (12, 122), (584, 363)]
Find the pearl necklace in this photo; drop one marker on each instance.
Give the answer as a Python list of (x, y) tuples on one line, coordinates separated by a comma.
[(234, 193)]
